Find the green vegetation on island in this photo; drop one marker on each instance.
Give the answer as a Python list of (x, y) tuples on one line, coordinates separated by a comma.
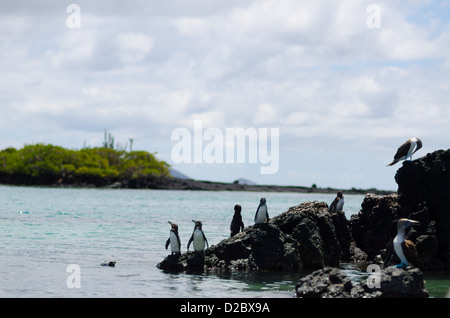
[(46, 164)]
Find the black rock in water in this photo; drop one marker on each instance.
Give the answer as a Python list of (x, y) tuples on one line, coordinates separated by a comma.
[(388, 283), (423, 192), (305, 236), (424, 188)]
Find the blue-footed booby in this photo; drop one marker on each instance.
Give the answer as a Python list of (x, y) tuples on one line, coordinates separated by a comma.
[(405, 249), (406, 150)]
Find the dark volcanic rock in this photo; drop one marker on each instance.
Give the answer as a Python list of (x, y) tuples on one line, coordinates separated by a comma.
[(423, 191), (327, 283), (314, 228), (374, 228), (191, 262), (389, 283), (376, 224), (262, 246), (258, 247), (424, 186), (305, 236)]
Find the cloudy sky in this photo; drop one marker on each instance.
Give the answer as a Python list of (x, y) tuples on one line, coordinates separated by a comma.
[(345, 82)]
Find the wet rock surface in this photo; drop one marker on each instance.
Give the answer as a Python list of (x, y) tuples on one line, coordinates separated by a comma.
[(305, 236), (389, 283)]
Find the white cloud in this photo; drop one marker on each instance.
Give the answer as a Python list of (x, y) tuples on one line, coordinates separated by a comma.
[(133, 47), (312, 68)]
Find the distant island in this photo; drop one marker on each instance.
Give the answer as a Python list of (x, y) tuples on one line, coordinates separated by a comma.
[(49, 165), (106, 167)]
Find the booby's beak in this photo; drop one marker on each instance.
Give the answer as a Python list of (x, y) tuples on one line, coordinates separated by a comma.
[(418, 145), (413, 223)]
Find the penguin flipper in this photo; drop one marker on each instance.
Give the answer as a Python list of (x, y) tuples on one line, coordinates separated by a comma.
[(190, 241), (167, 243), (333, 205), (204, 237), (179, 242)]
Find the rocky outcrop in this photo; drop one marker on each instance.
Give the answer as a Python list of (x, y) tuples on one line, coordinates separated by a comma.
[(375, 224), (305, 236), (262, 246), (316, 230), (389, 283), (423, 187)]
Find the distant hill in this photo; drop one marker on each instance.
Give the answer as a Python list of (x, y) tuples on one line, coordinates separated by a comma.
[(244, 181), (177, 174)]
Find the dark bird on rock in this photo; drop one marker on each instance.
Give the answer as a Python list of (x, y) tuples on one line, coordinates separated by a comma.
[(338, 203), (406, 150), (236, 223)]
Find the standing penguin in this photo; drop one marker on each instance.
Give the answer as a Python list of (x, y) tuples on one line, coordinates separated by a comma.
[(198, 237), (236, 224), (261, 214), (338, 203), (174, 239)]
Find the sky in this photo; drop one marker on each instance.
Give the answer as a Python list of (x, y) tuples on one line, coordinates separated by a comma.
[(341, 84)]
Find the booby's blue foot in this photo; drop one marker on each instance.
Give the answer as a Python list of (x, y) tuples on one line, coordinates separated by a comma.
[(401, 265)]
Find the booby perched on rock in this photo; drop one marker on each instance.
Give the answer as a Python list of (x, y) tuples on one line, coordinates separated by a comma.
[(405, 249), (406, 150), (261, 214), (174, 239), (198, 237), (338, 203)]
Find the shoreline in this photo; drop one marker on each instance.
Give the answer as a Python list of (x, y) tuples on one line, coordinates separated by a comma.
[(173, 183)]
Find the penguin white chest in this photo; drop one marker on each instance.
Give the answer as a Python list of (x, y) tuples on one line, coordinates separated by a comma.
[(340, 204), (174, 243), (261, 214), (199, 241)]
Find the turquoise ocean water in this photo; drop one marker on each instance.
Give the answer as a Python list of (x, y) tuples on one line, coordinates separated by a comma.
[(45, 232)]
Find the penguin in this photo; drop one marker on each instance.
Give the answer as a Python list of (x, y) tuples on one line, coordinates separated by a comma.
[(198, 237), (338, 203), (174, 239), (110, 264), (261, 214), (405, 151), (405, 249), (236, 223)]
